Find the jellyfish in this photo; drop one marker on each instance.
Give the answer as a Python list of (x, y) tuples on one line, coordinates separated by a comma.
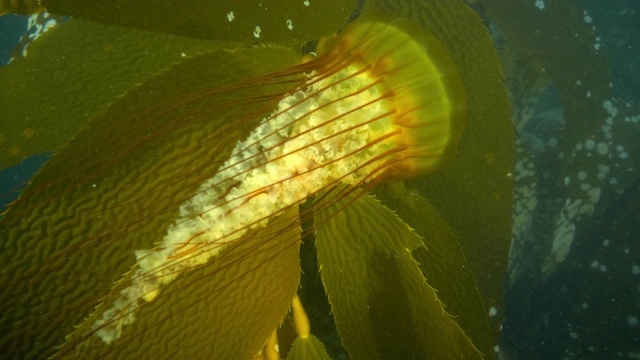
[(360, 116), (382, 101)]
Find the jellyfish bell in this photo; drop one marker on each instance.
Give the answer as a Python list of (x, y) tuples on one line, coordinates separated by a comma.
[(423, 85), (382, 101)]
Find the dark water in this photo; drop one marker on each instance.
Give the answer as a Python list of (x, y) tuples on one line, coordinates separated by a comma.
[(588, 305)]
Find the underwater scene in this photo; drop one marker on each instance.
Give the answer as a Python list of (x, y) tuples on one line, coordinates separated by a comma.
[(344, 179)]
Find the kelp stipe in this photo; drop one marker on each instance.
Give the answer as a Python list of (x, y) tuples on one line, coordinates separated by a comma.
[(382, 101)]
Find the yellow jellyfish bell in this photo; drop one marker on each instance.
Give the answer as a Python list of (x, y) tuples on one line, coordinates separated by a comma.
[(382, 101), (421, 85)]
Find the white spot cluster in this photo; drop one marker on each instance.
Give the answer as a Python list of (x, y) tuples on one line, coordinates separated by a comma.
[(540, 4), (586, 184), (564, 233), (598, 43), (40, 26), (632, 119), (312, 140), (525, 199), (37, 24), (596, 265)]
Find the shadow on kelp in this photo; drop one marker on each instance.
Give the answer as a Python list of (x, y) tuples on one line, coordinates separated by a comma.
[(114, 196)]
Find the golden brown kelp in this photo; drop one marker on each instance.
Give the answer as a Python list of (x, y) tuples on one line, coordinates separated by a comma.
[(441, 261), (25, 7), (108, 200), (54, 82), (555, 37), (404, 318), (474, 193), (273, 21), (127, 162), (120, 57)]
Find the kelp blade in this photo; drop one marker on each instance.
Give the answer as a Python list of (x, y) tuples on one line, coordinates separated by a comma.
[(23, 7), (225, 310), (72, 72), (554, 39), (474, 193), (114, 189), (309, 348), (254, 20), (442, 262), (383, 306)]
